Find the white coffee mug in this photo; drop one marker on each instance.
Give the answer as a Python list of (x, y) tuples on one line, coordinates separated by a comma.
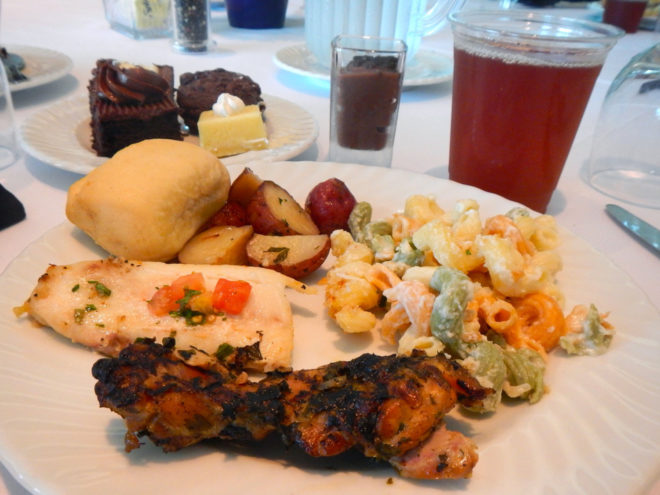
[(409, 20)]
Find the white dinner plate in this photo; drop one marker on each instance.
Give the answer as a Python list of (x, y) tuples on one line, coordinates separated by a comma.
[(428, 67), (596, 431), (60, 135), (42, 66)]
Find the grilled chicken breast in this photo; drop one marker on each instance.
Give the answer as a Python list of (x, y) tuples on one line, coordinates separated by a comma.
[(103, 304)]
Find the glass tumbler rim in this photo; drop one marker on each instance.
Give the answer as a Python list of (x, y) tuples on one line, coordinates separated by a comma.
[(533, 27), (375, 44)]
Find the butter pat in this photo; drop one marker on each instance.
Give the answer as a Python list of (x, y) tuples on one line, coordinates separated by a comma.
[(240, 131)]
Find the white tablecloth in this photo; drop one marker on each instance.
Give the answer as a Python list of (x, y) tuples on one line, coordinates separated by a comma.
[(78, 28)]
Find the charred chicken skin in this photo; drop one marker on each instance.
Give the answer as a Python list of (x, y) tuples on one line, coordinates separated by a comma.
[(387, 407)]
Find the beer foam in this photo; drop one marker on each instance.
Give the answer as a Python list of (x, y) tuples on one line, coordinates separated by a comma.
[(511, 53)]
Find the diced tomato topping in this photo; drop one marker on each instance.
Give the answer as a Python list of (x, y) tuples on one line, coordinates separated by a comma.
[(165, 299), (231, 296)]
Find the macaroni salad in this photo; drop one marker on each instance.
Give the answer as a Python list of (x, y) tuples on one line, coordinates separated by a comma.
[(483, 292)]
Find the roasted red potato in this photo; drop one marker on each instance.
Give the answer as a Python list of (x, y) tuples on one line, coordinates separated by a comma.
[(329, 204), (222, 245), (294, 255), (273, 211), (232, 213), (243, 187)]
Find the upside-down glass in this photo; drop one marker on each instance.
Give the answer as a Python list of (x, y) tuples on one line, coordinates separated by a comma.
[(521, 83), (625, 155), (365, 90)]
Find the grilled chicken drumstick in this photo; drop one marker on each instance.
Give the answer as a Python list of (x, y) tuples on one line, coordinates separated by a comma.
[(387, 407)]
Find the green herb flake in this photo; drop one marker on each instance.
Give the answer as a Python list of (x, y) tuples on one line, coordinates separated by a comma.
[(283, 252), (101, 289), (224, 351), (75, 288), (192, 317), (79, 313)]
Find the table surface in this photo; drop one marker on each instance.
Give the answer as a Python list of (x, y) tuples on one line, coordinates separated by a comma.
[(78, 28)]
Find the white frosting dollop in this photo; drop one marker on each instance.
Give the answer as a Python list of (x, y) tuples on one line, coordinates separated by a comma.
[(128, 65), (228, 105)]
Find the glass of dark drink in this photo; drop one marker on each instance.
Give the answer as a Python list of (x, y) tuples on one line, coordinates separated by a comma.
[(625, 14), (366, 81), (521, 83)]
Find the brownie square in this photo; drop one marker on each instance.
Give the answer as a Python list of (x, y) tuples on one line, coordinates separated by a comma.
[(118, 119)]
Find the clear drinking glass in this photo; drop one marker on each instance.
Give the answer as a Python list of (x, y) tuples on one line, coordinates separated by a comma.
[(8, 143), (625, 155), (365, 90)]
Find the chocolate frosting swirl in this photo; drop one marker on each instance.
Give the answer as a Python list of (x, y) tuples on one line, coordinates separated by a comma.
[(130, 85)]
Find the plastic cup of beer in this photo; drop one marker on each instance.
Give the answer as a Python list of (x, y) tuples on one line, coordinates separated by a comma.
[(521, 83), (365, 89)]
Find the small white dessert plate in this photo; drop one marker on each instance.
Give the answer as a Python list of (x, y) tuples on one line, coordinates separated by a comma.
[(42, 66), (60, 135), (428, 67)]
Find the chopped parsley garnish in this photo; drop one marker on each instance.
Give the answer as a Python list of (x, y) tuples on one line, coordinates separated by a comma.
[(79, 313), (75, 288), (283, 252), (224, 351), (101, 289), (191, 316)]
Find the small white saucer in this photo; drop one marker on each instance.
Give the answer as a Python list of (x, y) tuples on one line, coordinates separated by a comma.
[(428, 67), (42, 66)]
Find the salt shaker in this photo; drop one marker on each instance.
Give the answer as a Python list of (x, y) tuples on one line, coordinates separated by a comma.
[(191, 23)]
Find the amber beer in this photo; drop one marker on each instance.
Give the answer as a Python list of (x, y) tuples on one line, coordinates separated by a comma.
[(513, 124), (521, 83)]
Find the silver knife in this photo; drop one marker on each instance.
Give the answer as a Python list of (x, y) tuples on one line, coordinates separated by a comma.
[(635, 225)]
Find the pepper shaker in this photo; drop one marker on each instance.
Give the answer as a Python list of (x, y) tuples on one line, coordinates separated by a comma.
[(191, 25)]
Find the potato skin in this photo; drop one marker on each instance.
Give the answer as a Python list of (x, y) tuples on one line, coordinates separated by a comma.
[(221, 245), (273, 211), (295, 256), (243, 187), (329, 204), (232, 213)]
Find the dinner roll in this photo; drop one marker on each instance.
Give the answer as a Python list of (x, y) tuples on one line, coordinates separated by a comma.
[(148, 199)]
